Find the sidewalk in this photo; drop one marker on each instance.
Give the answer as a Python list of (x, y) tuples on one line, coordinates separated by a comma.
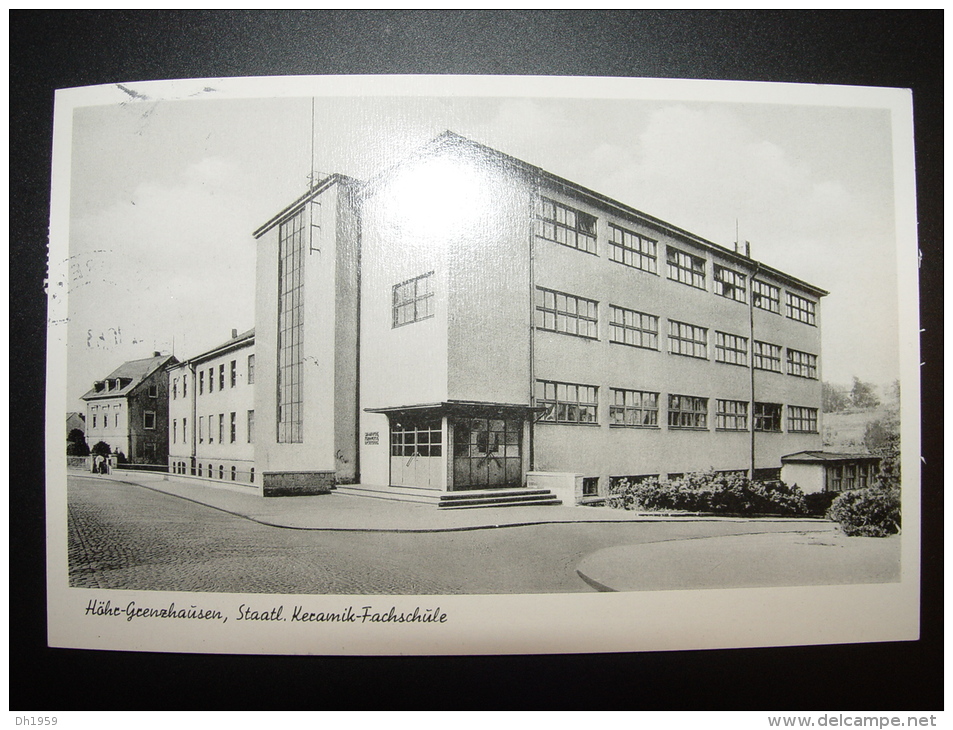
[(339, 512)]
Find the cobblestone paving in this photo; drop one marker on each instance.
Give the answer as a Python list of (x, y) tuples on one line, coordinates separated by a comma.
[(123, 536)]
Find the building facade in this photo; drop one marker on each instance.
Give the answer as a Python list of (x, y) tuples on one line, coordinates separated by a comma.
[(129, 410), (467, 321), (212, 413)]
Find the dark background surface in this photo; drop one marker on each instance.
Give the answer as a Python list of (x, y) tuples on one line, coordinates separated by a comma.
[(56, 49)]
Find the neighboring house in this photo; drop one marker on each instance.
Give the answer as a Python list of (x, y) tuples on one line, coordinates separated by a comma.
[(824, 471), (212, 412), (467, 321), (129, 410), (75, 422)]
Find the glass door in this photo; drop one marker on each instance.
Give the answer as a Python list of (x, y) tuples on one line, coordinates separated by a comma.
[(487, 453)]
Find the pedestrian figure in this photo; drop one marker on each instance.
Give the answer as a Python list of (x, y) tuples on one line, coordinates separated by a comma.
[(98, 464)]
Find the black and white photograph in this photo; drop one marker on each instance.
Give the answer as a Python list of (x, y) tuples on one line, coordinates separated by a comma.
[(438, 365)]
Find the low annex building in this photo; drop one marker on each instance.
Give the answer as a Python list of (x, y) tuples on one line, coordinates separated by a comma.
[(212, 412), (129, 410), (466, 321), (826, 471)]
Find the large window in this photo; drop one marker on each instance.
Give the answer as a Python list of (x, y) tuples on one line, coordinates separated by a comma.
[(221, 376), (687, 411), (211, 379), (731, 349), (628, 327), (766, 356), (233, 373), (251, 369), (685, 268), (233, 427), (801, 309), (687, 339), (565, 225), (767, 417), (633, 408), (250, 427), (631, 249), (290, 328), (731, 415), (730, 284), (567, 402), (201, 382), (802, 420), (571, 315), (802, 364), (149, 420), (413, 300), (211, 428), (221, 428), (765, 296), (487, 453)]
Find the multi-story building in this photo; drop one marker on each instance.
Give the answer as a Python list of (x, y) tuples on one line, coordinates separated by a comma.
[(212, 412), (129, 410), (467, 321)]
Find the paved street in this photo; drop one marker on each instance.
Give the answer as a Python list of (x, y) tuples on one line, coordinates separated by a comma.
[(128, 537)]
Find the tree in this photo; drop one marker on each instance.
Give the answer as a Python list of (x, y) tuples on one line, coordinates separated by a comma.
[(834, 398), (863, 395), (101, 448), (76, 443)]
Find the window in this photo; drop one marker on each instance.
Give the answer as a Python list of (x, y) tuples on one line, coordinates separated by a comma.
[(487, 452), (201, 429), (233, 427), (730, 284), (413, 300), (211, 379), (201, 382), (185, 438), (233, 373), (615, 482), (802, 420), (221, 471), (221, 376), (94, 420), (153, 391), (731, 349), (633, 408), (766, 356), (685, 268), (149, 420), (802, 364), (767, 475), (211, 427), (767, 417), (175, 431), (687, 339), (801, 309), (290, 328), (765, 296), (175, 388), (567, 402), (628, 327), (687, 411), (234, 473), (565, 225), (590, 486), (116, 419), (251, 427), (221, 428), (558, 312), (731, 415), (251, 369), (185, 385), (631, 249), (416, 438), (251, 475)]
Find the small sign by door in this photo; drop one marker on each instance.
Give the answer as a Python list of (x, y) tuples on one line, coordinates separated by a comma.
[(372, 438)]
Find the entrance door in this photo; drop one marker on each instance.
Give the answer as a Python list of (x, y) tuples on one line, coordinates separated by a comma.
[(416, 452), (487, 453)]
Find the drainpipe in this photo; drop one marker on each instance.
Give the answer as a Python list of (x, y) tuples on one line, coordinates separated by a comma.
[(195, 425), (532, 327)]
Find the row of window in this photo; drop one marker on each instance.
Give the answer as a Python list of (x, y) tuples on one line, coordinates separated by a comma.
[(101, 420), (208, 429), (180, 467), (232, 378), (574, 228), (841, 477), (572, 315), (579, 404)]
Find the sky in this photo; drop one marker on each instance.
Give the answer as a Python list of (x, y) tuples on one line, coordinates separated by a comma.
[(165, 195)]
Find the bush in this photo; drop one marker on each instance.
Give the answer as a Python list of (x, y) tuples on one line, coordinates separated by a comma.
[(869, 512), (101, 448), (708, 492), (818, 503)]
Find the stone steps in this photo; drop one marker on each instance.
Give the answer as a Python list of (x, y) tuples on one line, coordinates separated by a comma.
[(453, 500)]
